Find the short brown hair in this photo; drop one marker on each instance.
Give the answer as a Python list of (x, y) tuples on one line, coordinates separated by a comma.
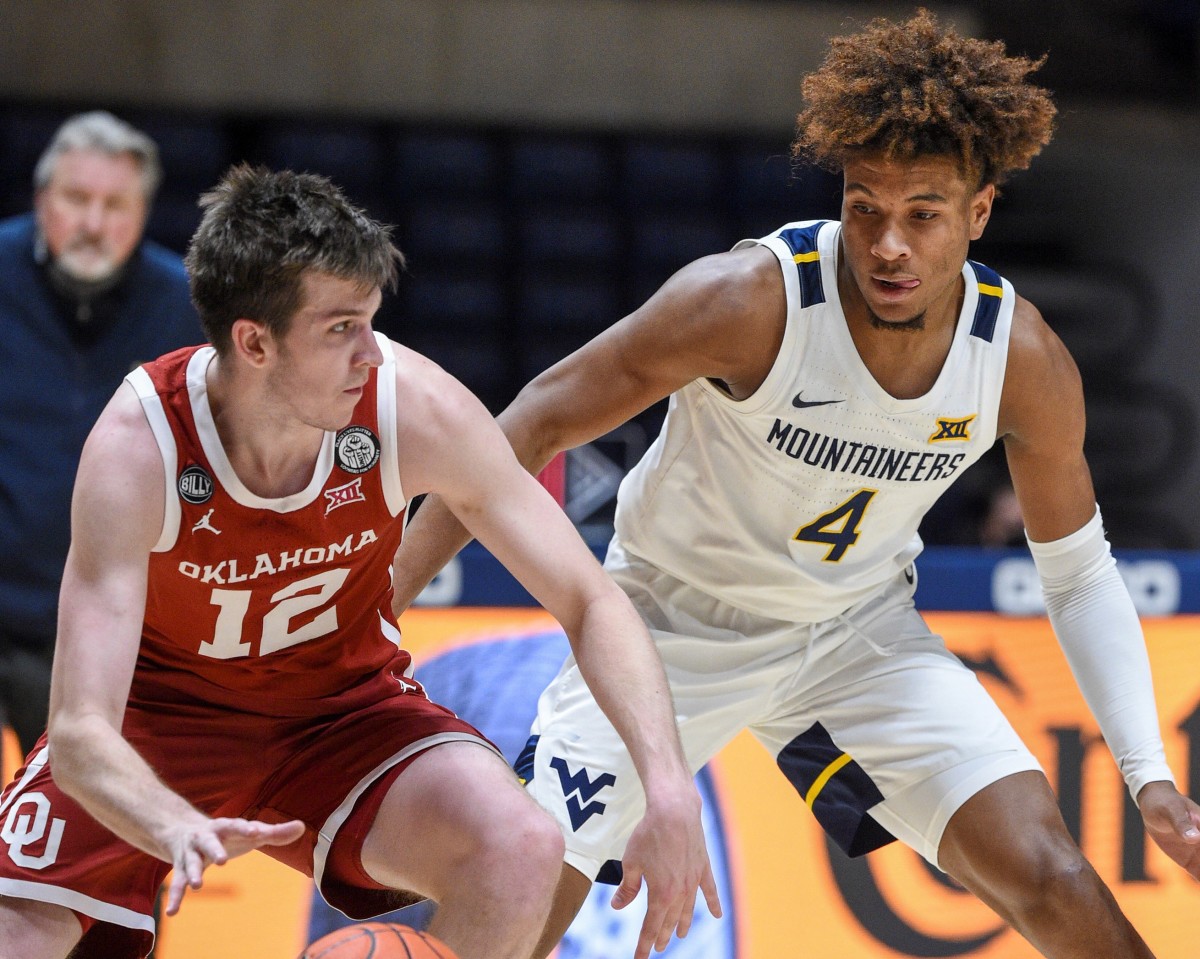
[(261, 231), (914, 89)]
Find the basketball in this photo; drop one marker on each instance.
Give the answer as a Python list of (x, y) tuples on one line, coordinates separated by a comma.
[(378, 940)]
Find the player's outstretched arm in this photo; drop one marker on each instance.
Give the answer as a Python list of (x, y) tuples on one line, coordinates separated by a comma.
[(481, 482), (1042, 421), (116, 517), (720, 317)]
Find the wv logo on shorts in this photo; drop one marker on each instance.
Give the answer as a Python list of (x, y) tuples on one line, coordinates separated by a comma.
[(581, 783)]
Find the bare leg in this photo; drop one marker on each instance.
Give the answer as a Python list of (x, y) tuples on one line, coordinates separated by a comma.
[(36, 930), (457, 827), (1009, 845), (573, 888)]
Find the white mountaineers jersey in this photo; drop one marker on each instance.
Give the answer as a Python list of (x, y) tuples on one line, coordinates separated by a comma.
[(803, 499)]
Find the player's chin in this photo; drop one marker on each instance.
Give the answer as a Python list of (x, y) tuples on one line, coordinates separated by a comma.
[(327, 423), (898, 321), (338, 417)]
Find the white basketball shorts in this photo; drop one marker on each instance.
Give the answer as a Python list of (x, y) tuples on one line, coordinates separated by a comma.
[(882, 730)]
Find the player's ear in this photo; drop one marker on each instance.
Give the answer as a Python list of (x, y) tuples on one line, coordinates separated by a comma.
[(251, 341), (981, 209)]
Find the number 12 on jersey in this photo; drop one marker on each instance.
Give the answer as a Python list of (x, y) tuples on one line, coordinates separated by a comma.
[(839, 527)]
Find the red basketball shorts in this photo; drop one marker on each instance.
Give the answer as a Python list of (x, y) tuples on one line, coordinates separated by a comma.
[(320, 771)]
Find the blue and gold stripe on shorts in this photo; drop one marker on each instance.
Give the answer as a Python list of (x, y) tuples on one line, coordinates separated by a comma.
[(836, 788)]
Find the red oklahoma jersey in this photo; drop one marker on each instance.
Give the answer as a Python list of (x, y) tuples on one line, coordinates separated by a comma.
[(280, 607)]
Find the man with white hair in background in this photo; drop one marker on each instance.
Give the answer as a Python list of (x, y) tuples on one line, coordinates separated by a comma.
[(83, 299)]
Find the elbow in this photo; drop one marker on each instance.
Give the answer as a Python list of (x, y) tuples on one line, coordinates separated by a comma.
[(60, 751), (599, 609), (69, 745), (534, 435)]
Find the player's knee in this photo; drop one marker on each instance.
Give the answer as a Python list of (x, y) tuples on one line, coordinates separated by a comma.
[(1051, 879), (510, 839), (516, 865), (536, 846)]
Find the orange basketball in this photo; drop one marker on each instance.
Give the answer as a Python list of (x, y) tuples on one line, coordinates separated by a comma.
[(378, 940)]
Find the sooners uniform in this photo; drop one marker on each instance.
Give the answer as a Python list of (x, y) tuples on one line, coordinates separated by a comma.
[(768, 544), (270, 683)]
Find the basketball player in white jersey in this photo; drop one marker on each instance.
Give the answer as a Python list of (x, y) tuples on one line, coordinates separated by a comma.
[(229, 675), (827, 384)]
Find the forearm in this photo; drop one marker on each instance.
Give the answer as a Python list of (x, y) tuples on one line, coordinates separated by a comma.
[(435, 535), (1098, 628), (625, 674), (101, 771), (432, 539)]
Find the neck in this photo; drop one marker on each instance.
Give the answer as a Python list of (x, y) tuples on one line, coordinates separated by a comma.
[(272, 451), (905, 358)]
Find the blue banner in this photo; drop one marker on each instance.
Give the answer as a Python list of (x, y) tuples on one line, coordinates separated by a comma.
[(1162, 583)]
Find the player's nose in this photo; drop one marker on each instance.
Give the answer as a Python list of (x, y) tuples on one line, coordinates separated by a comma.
[(369, 351)]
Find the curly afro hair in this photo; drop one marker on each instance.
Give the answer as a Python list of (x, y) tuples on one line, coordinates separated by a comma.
[(915, 89)]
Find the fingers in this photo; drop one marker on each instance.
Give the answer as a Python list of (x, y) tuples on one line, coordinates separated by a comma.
[(712, 897), (672, 917), (673, 864), (210, 850), (175, 891), (631, 883), (686, 911), (651, 934), (669, 909), (282, 834), (1173, 822), (671, 926), (241, 835), (216, 844), (1189, 826), (198, 851)]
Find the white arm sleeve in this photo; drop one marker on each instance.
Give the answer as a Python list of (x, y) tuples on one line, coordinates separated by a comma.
[(1098, 629)]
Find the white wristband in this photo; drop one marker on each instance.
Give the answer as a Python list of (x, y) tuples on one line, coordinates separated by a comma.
[(1098, 629)]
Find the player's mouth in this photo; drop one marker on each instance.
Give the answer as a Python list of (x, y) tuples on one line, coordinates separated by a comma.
[(894, 287)]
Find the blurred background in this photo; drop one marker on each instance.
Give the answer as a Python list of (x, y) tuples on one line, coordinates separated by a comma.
[(548, 163)]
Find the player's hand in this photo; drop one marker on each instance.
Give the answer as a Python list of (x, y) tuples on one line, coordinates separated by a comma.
[(1173, 822), (668, 851), (215, 842)]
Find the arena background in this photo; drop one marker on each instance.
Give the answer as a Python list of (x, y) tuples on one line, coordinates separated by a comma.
[(548, 163)]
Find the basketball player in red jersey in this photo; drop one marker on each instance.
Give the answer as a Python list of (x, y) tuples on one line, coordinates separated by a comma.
[(229, 674)]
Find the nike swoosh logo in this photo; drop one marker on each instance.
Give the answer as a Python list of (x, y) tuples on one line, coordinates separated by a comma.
[(802, 404)]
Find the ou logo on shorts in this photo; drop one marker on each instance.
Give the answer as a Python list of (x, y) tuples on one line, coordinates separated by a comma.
[(22, 829)]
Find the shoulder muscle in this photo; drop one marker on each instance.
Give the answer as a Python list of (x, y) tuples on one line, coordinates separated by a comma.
[(119, 496)]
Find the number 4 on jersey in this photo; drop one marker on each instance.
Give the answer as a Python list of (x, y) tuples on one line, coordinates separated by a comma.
[(838, 529)]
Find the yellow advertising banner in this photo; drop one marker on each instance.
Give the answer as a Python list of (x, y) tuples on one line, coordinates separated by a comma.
[(798, 899), (789, 895)]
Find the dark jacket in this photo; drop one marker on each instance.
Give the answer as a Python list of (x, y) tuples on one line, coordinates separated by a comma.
[(56, 375)]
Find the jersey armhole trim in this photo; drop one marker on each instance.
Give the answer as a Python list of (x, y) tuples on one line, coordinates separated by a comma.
[(794, 301), (389, 457), (156, 416)]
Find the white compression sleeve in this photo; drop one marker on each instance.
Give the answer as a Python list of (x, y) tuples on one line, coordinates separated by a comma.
[(1098, 629)]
